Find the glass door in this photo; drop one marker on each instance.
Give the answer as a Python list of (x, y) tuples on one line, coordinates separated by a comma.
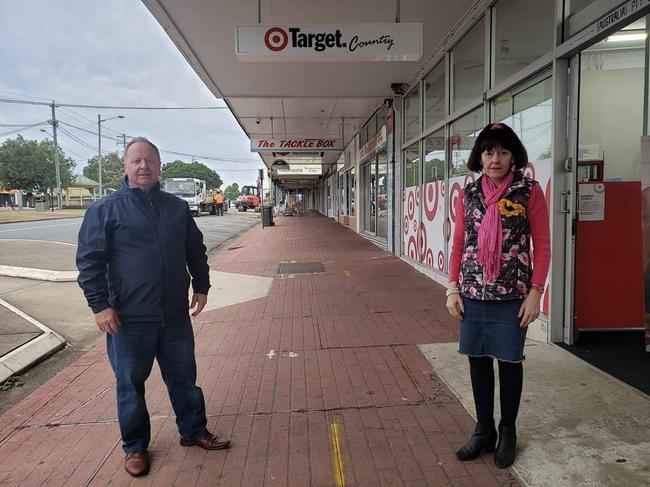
[(382, 196), (608, 184), (607, 86), (369, 177)]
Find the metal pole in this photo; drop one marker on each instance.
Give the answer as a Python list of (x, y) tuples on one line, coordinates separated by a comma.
[(99, 154), (56, 157)]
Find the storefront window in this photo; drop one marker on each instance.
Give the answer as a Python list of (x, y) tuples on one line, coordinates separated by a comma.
[(434, 93), (577, 5), (343, 191), (411, 196), (412, 114), (611, 126), (381, 117), (352, 194), (434, 157), (463, 134), (431, 241), (468, 66), (412, 166), (363, 136), (370, 209), (382, 196), (529, 113), (521, 39)]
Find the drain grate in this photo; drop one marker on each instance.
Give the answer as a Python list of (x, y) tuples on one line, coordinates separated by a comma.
[(300, 267)]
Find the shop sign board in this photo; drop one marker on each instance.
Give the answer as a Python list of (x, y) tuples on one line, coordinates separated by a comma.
[(580, 31), (293, 144), (373, 144), (620, 13), (329, 42), (300, 170), (592, 202)]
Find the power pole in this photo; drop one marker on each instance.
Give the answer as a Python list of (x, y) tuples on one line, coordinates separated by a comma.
[(56, 158), (99, 154)]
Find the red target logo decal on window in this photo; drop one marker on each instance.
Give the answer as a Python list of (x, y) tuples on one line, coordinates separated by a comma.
[(276, 39)]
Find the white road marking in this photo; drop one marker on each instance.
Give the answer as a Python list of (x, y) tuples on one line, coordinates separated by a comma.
[(34, 240), (41, 226)]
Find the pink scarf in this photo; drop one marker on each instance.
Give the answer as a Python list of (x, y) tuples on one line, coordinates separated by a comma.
[(490, 234)]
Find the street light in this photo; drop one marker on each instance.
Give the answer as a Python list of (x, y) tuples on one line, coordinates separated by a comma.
[(99, 148)]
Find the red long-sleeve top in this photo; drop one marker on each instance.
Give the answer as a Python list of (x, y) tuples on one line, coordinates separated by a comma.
[(538, 220)]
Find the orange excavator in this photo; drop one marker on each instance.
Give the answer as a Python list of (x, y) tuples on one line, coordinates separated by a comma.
[(248, 199)]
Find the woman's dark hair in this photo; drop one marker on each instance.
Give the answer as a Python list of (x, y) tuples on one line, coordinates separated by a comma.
[(497, 135)]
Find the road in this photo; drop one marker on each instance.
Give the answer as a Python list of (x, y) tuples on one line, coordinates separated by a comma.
[(61, 306), (215, 229)]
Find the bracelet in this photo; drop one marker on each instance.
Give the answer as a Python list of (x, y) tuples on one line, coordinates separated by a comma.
[(537, 287), (452, 290)]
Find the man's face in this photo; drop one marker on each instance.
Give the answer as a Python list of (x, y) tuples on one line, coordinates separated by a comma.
[(142, 166)]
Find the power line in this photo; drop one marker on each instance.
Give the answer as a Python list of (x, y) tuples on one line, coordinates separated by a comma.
[(79, 141), (30, 124), (212, 158), (86, 130), (13, 93), (79, 117), (105, 107), (11, 132)]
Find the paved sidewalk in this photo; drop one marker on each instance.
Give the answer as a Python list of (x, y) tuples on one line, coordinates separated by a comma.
[(320, 383), (23, 339)]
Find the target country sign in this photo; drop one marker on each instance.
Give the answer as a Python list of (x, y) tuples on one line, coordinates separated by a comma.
[(330, 42)]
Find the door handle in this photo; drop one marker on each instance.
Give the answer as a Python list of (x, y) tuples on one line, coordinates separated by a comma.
[(564, 206)]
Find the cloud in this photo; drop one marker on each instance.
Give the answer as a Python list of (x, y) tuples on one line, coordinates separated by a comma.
[(112, 53)]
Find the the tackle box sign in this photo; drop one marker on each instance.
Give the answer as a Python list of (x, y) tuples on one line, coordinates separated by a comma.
[(295, 144), (331, 42)]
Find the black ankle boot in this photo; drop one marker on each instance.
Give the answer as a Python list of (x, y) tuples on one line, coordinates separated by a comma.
[(483, 439), (504, 455)]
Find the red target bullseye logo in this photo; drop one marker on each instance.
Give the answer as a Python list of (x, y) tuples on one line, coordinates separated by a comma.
[(529, 171), (276, 39)]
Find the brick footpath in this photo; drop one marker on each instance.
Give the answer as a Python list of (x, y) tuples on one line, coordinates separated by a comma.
[(319, 384)]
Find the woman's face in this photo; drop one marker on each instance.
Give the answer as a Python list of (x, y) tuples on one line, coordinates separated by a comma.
[(496, 162)]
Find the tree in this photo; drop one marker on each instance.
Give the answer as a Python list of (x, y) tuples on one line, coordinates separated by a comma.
[(232, 191), (197, 170), (112, 170), (29, 165)]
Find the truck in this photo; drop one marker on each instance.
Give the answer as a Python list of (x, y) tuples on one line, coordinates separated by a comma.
[(194, 192), (248, 199)]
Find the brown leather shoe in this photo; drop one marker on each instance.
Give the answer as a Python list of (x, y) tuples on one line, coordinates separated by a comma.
[(208, 442), (137, 463)]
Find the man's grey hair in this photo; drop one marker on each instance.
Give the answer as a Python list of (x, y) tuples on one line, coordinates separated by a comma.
[(135, 140)]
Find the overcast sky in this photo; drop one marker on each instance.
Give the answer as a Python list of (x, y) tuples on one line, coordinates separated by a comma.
[(111, 53)]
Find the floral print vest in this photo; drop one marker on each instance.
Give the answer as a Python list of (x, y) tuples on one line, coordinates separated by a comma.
[(516, 269)]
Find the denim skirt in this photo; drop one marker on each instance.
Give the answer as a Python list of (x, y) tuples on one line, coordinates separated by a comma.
[(491, 329)]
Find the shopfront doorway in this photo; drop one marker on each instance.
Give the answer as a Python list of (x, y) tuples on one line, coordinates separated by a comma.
[(376, 184), (606, 299)]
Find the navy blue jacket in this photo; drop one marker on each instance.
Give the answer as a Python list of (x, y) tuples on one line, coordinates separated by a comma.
[(134, 255)]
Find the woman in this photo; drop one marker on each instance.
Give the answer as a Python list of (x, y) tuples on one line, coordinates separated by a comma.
[(500, 290)]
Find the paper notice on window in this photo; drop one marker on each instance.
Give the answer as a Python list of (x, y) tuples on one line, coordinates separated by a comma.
[(592, 202)]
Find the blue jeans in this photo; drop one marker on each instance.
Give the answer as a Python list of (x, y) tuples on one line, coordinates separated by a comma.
[(131, 352)]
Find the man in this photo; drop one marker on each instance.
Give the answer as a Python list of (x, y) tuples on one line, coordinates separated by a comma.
[(218, 199), (135, 249)]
